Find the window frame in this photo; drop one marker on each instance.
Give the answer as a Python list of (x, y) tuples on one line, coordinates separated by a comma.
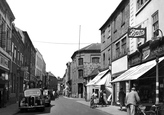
[(123, 46), (117, 49), (155, 23), (123, 17), (95, 59), (80, 61), (80, 73)]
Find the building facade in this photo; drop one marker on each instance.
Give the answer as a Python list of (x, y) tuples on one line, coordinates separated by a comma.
[(53, 82), (84, 61), (145, 52), (17, 79), (147, 15), (115, 44), (29, 60), (6, 19), (39, 69)]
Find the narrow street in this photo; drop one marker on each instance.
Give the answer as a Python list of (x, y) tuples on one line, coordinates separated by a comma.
[(65, 106)]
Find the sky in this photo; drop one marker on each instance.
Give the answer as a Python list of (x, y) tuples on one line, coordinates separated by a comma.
[(56, 27)]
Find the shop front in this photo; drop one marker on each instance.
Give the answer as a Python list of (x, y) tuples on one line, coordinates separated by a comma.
[(143, 71), (119, 66), (93, 86), (4, 80)]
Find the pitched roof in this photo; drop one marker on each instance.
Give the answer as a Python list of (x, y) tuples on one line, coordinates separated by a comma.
[(94, 72), (94, 47)]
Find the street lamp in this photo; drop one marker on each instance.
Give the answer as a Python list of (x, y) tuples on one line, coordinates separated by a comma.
[(154, 44)]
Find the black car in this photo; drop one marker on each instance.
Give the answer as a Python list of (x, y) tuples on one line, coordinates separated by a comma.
[(32, 99)]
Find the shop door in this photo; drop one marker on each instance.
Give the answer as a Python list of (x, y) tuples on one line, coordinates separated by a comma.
[(1, 95)]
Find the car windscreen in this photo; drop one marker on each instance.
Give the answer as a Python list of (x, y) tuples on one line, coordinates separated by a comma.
[(32, 93)]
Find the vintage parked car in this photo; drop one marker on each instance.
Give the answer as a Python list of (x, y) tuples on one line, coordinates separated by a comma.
[(47, 97), (32, 99)]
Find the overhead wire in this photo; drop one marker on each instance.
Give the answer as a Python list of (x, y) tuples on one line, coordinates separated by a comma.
[(64, 43)]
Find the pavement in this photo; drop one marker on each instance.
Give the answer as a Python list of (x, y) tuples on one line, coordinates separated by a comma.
[(113, 110), (11, 109)]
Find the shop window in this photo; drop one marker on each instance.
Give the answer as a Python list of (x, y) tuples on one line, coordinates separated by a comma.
[(155, 25)]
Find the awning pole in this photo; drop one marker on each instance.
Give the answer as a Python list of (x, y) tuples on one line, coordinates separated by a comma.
[(157, 81)]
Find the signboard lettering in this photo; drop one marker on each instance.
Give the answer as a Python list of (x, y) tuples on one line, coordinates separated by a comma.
[(136, 32)]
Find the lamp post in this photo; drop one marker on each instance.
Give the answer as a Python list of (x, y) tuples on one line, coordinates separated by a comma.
[(154, 44)]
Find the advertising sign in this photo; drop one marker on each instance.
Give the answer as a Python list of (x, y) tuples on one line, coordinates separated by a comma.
[(137, 32)]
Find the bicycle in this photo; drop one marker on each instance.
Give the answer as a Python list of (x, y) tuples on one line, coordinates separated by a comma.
[(140, 110)]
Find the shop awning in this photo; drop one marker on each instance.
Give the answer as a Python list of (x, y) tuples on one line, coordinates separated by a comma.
[(137, 71), (125, 74), (97, 78), (105, 79)]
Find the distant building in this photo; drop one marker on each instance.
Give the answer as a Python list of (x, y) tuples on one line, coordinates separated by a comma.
[(29, 60), (39, 69), (84, 61), (52, 81)]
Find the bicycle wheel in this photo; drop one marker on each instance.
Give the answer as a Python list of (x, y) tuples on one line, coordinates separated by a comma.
[(150, 113)]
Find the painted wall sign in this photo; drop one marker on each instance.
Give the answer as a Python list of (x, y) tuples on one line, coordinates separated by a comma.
[(145, 53), (137, 33), (4, 62)]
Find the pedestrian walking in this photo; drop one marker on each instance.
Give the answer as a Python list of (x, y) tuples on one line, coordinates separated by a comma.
[(131, 100), (101, 100), (93, 100), (122, 98), (104, 98)]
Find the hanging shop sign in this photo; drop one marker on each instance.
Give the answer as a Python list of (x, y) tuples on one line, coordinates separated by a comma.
[(137, 32), (4, 62)]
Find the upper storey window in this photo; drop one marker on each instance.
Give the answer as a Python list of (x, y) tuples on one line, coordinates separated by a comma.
[(103, 37), (95, 60), (155, 23), (123, 45), (80, 61), (141, 4), (123, 16), (117, 49), (109, 31)]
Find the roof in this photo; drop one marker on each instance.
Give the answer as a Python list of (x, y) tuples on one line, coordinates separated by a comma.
[(94, 72), (50, 74), (94, 47), (114, 12)]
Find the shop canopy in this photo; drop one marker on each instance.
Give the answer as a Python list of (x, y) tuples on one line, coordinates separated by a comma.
[(97, 78), (136, 71), (105, 80)]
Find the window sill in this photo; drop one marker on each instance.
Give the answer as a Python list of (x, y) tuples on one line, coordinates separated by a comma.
[(142, 7), (108, 37), (115, 31), (123, 23)]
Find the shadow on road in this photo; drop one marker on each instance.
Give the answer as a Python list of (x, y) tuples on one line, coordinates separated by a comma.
[(35, 112)]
